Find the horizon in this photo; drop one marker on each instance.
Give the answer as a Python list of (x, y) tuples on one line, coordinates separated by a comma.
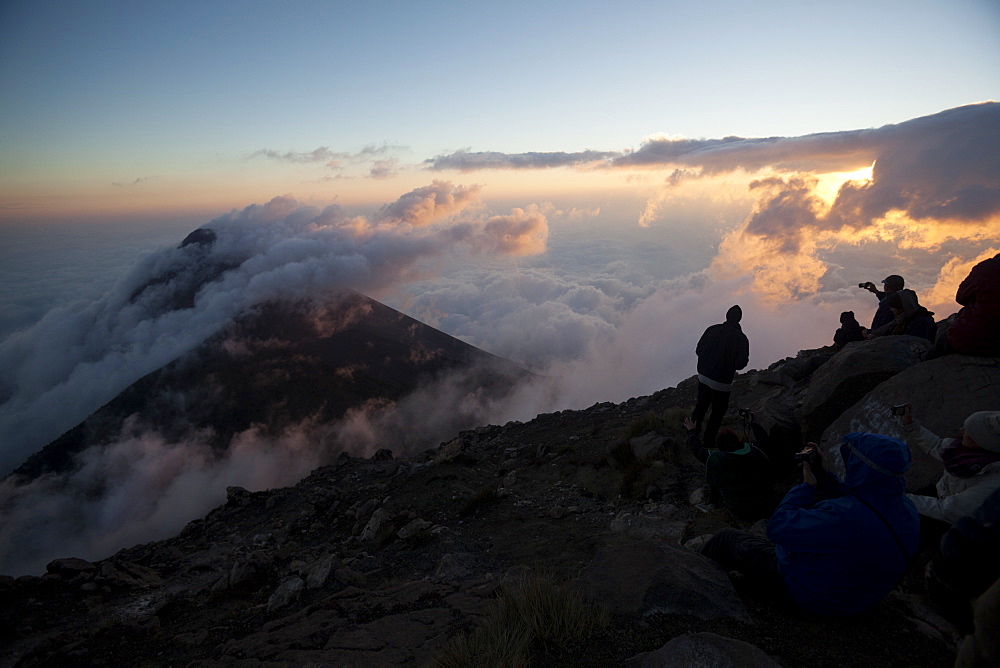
[(579, 192)]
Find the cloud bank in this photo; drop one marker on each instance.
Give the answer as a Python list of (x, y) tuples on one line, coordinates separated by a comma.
[(77, 358), (933, 180)]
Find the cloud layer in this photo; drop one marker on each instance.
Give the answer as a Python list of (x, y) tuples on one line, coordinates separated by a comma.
[(77, 358)]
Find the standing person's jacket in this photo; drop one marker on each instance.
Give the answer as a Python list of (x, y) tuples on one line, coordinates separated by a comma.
[(722, 351), (957, 496), (976, 329), (838, 556)]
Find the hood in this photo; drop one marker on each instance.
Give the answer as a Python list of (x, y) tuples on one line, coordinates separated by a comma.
[(874, 463)]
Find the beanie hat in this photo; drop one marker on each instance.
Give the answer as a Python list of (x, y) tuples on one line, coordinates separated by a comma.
[(734, 314), (846, 317), (984, 428), (893, 281)]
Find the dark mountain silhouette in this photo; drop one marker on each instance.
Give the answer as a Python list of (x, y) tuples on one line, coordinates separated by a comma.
[(280, 364)]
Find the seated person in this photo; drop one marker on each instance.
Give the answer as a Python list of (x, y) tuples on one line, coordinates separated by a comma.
[(974, 329), (909, 317), (739, 475), (971, 464), (835, 548), (966, 563), (850, 330), (883, 315)]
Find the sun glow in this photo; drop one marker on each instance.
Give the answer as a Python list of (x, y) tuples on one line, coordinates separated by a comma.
[(829, 185)]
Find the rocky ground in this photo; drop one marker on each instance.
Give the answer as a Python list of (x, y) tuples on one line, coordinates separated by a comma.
[(386, 561)]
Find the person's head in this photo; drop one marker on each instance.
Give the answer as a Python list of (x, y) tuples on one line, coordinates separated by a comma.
[(734, 314), (728, 440), (846, 317), (875, 462), (982, 430), (893, 283)]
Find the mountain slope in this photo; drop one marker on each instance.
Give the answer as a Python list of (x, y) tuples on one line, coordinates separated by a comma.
[(278, 365)]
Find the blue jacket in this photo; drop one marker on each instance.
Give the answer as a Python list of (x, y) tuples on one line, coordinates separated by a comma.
[(837, 556)]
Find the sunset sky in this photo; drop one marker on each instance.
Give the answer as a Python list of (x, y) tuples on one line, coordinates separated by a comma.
[(580, 187), (125, 108)]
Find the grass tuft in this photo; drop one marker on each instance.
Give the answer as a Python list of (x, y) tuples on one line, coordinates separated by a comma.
[(525, 616)]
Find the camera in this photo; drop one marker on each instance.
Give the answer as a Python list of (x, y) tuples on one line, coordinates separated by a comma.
[(866, 286), (811, 456), (899, 410)]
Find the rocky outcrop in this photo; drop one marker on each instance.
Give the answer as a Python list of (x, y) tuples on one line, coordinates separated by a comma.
[(641, 578), (851, 374), (943, 392)]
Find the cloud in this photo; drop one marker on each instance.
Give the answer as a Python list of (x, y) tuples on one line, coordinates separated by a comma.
[(430, 203), (467, 161), (78, 357), (320, 154), (333, 159), (384, 169), (938, 168), (151, 487)]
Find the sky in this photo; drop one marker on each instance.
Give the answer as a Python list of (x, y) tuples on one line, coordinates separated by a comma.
[(579, 187)]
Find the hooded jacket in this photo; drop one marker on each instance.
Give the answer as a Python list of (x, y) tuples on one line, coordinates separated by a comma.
[(976, 330), (837, 556), (722, 351)]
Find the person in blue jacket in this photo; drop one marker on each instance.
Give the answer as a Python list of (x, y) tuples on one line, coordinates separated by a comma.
[(836, 547)]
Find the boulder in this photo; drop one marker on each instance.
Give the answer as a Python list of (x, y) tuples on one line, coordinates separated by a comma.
[(644, 577), (851, 374), (704, 650), (641, 525), (647, 445), (287, 591), (943, 392), (320, 572), (378, 520)]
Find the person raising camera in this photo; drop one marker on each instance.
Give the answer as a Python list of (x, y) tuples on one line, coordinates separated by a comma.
[(971, 463)]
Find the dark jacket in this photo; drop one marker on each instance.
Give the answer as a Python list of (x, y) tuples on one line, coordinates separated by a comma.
[(976, 329), (722, 351), (883, 314), (742, 480), (850, 330), (967, 562), (837, 556), (897, 323)]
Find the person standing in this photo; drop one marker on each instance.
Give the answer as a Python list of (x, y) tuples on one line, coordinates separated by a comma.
[(722, 351)]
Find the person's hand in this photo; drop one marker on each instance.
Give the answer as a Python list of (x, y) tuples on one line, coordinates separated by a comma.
[(807, 475), (688, 423), (866, 333), (908, 414)]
